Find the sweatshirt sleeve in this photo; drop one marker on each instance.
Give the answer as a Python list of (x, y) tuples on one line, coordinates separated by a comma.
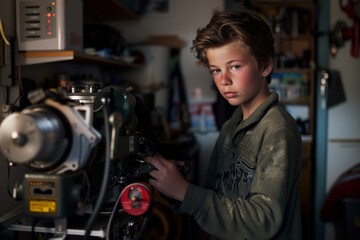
[(260, 216), (212, 167)]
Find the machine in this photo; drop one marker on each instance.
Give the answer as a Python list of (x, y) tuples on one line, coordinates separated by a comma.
[(84, 154)]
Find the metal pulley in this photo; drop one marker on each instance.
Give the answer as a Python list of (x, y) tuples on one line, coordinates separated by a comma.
[(35, 137)]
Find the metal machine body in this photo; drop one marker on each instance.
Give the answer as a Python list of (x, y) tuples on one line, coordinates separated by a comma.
[(85, 164)]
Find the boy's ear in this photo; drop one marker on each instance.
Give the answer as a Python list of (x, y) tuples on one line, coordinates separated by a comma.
[(268, 67)]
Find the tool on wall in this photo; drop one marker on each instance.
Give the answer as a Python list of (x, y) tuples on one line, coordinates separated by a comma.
[(342, 32), (178, 115)]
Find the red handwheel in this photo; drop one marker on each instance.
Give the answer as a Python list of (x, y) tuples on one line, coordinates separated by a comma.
[(136, 198)]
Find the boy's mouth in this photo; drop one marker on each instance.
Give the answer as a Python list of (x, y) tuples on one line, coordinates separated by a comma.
[(229, 94)]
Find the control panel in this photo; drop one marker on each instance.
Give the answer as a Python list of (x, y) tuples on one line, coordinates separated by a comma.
[(49, 25)]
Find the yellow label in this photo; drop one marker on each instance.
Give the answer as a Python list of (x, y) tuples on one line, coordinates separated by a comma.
[(357, 221), (42, 206)]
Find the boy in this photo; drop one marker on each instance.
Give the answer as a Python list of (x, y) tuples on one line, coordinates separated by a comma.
[(251, 190)]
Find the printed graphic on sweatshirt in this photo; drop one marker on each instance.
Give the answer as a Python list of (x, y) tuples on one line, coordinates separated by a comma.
[(236, 181)]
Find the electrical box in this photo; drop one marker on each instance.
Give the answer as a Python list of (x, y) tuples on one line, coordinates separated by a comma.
[(53, 196), (49, 24)]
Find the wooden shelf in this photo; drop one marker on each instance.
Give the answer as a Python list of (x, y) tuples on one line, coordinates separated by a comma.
[(109, 10), (36, 57), (106, 10)]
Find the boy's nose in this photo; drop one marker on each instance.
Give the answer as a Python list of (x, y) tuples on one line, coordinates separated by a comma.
[(225, 79)]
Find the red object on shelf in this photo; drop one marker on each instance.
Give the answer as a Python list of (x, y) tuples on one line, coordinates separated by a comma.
[(346, 186)]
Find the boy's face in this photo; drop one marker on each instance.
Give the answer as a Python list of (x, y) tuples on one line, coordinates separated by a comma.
[(237, 75)]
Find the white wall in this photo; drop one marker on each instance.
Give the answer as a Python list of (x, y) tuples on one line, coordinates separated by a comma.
[(349, 69), (185, 17), (343, 119)]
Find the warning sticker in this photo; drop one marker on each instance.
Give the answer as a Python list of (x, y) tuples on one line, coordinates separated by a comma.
[(42, 206)]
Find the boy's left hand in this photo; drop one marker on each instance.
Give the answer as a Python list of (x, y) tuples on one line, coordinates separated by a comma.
[(167, 178)]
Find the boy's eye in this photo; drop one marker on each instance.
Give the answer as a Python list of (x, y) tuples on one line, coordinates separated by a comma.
[(235, 67), (214, 71)]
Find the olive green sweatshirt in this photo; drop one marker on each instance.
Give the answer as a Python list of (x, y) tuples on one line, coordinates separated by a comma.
[(251, 189)]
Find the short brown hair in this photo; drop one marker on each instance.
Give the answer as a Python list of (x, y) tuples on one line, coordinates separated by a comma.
[(246, 25)]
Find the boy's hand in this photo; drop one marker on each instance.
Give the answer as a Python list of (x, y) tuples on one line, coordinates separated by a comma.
[(167, 178)]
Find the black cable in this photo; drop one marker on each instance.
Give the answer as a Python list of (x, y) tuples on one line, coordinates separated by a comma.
[(106, 176), (114, 182), (144, 225), (88, 186), (8, 181), (7, 95), (111, 218), (33, 225)]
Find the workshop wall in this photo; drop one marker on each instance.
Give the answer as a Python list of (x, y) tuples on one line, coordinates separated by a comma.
[(178, 22)]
